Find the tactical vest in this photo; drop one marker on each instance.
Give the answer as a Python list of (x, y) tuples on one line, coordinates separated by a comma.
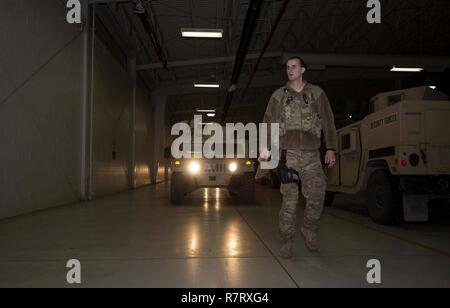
[(300, 112)]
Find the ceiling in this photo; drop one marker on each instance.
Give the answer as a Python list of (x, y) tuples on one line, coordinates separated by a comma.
[(322, 27)]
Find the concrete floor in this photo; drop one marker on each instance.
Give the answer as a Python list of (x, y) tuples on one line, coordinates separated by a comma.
[(137, 239)]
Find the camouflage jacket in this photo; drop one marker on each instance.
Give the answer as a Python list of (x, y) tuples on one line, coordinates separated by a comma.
[(302, 117)]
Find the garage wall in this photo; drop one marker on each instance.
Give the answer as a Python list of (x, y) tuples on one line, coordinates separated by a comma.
[(159, 139), (112, 143), (41, 115), (112, 124), (40, 68)]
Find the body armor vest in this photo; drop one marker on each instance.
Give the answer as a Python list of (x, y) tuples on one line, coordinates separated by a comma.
[(300, 112)]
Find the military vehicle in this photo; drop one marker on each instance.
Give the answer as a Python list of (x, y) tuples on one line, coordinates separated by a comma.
[(399, 155), (235, 174)]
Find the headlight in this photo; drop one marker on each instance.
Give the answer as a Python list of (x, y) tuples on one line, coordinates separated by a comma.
[(194, 167), (232, 167)]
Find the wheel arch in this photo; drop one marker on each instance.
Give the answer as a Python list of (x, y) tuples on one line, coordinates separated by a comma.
[(373, 166)]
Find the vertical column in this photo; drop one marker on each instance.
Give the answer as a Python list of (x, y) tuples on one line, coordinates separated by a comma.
[(90, 191), (85, 97), (159, 103), (132, 167)]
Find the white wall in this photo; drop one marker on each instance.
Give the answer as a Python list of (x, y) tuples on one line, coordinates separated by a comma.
[(40, 67), (41, 114), (112, 124)]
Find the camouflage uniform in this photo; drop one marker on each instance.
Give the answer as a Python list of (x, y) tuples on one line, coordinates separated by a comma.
[(302, 117)]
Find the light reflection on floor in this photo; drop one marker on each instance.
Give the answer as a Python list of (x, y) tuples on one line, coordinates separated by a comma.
[(139, 239), (212, 200)]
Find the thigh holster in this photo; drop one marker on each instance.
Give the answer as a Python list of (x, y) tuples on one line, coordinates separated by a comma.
[(287, 175)]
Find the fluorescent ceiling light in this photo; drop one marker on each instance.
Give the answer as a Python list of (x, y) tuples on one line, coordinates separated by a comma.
[(206, 85), (206, 111), (407, 69), (202, 33), (211, 115)]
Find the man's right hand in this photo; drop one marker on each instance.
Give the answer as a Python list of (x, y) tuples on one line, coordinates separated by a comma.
[(330, 159), (264, 155)]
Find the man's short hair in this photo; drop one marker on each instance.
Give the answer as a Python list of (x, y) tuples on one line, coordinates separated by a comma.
[(302, 63)]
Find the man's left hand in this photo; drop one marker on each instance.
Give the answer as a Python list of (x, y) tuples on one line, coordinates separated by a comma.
[(330, 159)]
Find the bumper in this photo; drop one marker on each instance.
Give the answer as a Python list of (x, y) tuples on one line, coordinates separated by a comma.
[(212, 180), (211, 173), (427, 184)]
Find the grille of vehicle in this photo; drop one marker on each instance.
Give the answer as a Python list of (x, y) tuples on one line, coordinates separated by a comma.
[(215, 167)]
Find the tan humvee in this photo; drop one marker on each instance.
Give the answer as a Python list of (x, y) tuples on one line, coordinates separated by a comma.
[(235, 174), (399, 155)]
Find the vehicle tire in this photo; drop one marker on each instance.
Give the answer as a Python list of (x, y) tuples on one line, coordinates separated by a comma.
[(247, 189), (274, 180), (329, 199), (177, 184), (384, 201)]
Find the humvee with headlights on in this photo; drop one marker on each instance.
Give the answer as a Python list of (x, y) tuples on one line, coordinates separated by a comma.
[(235, 174)]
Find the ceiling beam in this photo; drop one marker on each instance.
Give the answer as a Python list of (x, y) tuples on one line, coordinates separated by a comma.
[(107, 1), (185, 86), (204, 61), (431, 63)]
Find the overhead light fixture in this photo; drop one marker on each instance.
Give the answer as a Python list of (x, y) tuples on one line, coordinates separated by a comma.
[(433, 87), (206, 111), (407, 69), (211, 115), (206, 85), (202, 33)]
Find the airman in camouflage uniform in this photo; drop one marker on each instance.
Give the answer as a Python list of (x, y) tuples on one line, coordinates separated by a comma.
[(303, 112)]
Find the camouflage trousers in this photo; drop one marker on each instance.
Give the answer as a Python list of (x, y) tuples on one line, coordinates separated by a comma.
[(313, 179)]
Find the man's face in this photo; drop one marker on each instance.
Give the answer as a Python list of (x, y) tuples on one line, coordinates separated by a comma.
[(294, 70)]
